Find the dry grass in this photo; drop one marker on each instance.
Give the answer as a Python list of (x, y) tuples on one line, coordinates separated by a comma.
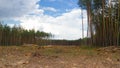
[(57, 57)]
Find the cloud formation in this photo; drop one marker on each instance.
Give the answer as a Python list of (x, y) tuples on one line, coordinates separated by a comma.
[(17, 8), (31, 15), (49, 9), (66, 26)]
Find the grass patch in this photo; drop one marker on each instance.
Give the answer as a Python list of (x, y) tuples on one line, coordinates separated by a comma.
[(88, 47)]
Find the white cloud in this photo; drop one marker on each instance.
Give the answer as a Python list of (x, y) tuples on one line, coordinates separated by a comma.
[(17, 8), (66, 26), (49, 9)]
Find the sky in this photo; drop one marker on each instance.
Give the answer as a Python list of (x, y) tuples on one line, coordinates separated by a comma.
[(62, 18)]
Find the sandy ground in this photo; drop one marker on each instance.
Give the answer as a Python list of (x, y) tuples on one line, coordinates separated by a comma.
[(59, 57)]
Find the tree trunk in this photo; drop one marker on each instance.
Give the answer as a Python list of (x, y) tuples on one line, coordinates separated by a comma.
[(89, 29)]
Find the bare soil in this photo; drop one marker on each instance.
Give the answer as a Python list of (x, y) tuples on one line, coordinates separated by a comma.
[(59, 57)]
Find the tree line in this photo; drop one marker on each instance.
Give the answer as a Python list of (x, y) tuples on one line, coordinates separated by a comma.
[(103, 18), (16, 35), (103, 21), (60, 42)]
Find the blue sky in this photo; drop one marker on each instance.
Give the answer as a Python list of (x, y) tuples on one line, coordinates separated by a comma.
[(60, 5), (59, 17)]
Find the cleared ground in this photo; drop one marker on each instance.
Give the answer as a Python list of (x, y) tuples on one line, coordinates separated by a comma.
[(59, 57)]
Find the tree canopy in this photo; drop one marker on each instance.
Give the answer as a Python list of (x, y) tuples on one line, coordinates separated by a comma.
[(103, 21), (17, 35)]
